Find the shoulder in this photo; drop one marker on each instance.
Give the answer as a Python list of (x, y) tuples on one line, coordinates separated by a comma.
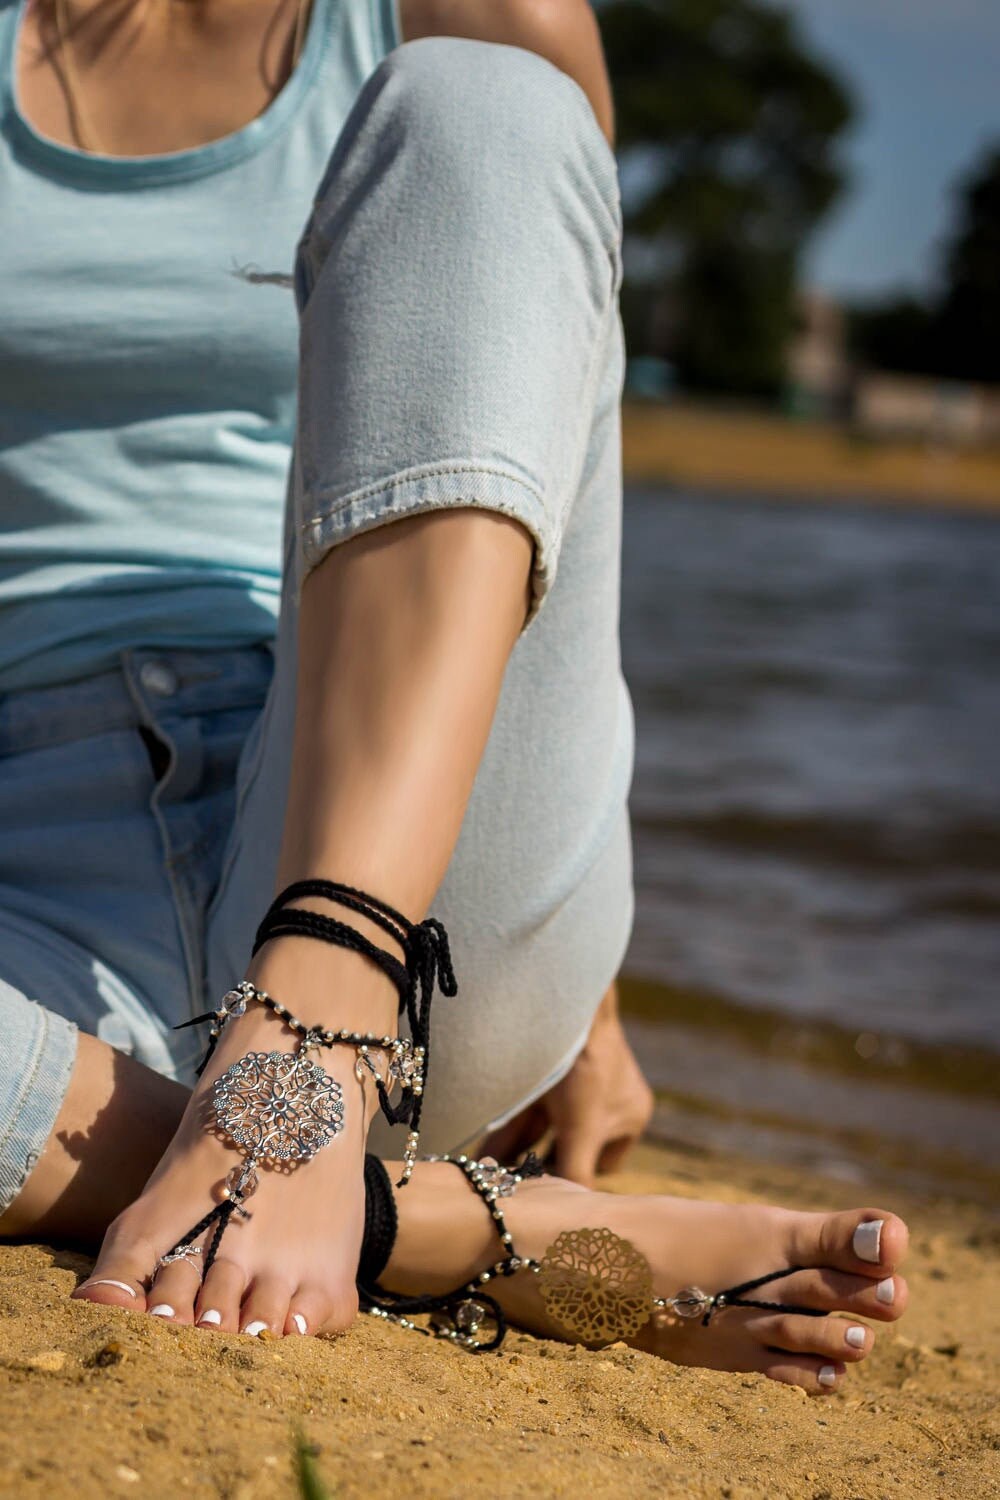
[(563, 31)]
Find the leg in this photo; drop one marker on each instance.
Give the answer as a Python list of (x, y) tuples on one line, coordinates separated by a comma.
[(686, 1242), (503, 396), (391, 663), (114, 1121)]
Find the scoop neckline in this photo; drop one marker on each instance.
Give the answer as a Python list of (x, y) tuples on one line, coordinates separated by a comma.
[(168, 166)]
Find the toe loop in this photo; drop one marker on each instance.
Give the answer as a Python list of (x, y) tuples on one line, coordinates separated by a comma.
[(189, 1253), (733, 1297)]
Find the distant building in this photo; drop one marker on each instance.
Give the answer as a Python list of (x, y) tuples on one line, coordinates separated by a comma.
[(818, 369), (824, 382), (911, 406)]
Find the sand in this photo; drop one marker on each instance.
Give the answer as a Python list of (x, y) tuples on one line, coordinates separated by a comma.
[(98, 1402), (776, 457)]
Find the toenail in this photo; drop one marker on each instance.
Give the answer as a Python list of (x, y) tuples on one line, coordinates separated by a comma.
[(855, 1337), (299, 1322), (867, 1241), (162, 1310), (257, 1326), (886, 1290), (106, 1281), (213, 1317), (828, 1375)]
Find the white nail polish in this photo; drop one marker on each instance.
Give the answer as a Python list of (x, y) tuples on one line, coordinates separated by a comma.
[(827, 1375), (886, 1291), (867, 1241), (162, 1310), (213, 1317), (299, 1322), (257, 1326), (855, 1337), (106, 1281)]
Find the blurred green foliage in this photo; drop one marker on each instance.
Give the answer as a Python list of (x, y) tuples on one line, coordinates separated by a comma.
[(727, 129), (310, 1486), (954, 334)]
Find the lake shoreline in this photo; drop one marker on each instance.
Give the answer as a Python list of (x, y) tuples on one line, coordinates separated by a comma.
[(759, 455)]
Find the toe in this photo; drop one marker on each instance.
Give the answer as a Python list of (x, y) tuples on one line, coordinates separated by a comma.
[(120, 1275), (340, 1312), (118, 1285), (832, 1339), (315, 1310), (870, 1242), (220, 1297), (837, 1291), (817, 1376), (173, 1292), (308, 1311), (265, 1307)]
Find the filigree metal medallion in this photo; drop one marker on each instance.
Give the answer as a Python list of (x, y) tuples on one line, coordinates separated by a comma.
[(278, 1105), (596, 1285)]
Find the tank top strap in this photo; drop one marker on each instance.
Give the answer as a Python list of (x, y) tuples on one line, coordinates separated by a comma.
[(356, 35)]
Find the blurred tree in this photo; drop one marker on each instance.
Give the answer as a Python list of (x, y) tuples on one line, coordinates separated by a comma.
[(969, 318), (726, 134), (956, 332), (897, 334)]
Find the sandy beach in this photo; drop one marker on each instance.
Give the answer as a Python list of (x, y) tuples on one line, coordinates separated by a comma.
[(755, 452), (97, 1402)]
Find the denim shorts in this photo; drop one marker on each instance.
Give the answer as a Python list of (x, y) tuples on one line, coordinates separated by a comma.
[(141, 810)]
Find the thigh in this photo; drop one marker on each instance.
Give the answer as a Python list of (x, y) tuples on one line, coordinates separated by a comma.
[(106, 862)]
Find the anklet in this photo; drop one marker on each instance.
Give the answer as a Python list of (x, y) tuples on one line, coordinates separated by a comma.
[(427, 965), (593, 1283), (280, 1107), (459, 1315), (405, 1064)]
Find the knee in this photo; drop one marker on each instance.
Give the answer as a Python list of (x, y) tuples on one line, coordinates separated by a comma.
[(445, 80), (479, 106)]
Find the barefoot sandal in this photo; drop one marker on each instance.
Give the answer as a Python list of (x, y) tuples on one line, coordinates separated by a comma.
[(595, 1285), (280, 1108)]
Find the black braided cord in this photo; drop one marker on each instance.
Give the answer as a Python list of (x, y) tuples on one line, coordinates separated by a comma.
[(732, 1297), (380, 1214)]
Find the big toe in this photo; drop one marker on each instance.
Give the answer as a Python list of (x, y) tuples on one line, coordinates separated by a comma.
[(117, 1280), (865, 1242)]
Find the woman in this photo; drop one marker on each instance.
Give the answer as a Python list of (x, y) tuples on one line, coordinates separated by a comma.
[(444, 722)]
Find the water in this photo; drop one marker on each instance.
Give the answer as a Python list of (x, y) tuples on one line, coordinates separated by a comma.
[(817, 795)]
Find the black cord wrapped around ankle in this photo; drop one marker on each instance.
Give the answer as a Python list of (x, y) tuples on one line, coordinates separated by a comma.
[(427, 961), (381, 1223)]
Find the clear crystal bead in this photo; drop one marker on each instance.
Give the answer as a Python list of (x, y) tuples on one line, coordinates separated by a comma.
[(234, 1003), (405, 1067), (469, 1316), (690, 1303), (242, 1181), (495, 1178)]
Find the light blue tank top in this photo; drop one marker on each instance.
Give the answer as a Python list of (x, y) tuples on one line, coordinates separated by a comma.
[(147, 394)]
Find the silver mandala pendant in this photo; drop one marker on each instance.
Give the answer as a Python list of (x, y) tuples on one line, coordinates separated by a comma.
[(278, 1105)]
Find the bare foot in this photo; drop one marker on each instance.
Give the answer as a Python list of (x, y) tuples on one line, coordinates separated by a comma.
[(290, 1266), (849, 1263)]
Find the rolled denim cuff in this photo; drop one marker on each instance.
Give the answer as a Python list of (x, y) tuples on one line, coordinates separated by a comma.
[(435, 487), (40, 1049)]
